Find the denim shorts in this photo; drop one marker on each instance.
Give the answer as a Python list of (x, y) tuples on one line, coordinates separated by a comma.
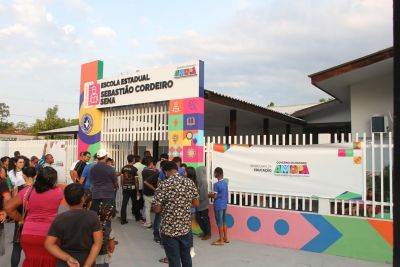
[(220, 217)]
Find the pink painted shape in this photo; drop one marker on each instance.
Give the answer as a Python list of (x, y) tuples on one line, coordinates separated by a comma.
[(193, 105), (300, 230), (82, 146), (94, 94), (198, 154), (341, 152)]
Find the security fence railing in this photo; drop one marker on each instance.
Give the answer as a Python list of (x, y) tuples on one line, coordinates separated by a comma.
[(377, 154)]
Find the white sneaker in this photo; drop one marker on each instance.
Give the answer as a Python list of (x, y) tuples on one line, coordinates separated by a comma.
[(192, 254)]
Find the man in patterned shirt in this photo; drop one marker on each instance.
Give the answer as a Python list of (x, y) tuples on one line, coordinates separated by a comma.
[(174, 198)]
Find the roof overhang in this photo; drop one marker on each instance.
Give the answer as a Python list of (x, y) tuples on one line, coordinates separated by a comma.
[(336, 81), (315, 108), (64, 131), (239, 104)]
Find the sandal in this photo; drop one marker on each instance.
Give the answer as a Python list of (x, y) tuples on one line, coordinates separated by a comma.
[(163, 260), (217, 243)]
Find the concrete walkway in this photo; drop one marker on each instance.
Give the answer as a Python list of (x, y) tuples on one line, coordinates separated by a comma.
[(136, 248)]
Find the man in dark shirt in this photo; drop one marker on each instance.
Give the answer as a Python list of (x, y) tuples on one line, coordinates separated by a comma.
[(130, 189), (103, 181), (150, 178), (77, 171), (75, 236), (174, 198)]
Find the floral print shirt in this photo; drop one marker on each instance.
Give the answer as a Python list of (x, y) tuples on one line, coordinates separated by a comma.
[(175, 196)]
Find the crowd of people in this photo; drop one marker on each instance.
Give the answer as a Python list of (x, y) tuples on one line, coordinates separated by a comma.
[(83, 236)]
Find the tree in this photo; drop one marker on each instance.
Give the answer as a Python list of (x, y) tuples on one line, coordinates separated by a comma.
[(271, 104), (52, 121), (4, 113), (322, 100), (21, 125)]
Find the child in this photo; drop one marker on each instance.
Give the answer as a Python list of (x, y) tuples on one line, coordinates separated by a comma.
[(75, 236), (220, 196), (105, 213)]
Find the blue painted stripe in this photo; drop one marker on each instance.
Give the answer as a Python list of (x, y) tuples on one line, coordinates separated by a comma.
[(327, 236), (201, 78), (89, 139)]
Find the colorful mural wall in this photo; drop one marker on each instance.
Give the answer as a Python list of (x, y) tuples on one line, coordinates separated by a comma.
[(89, 116), (186, 130), (367, 239)]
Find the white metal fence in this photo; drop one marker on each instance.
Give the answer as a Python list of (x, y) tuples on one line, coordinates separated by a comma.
[(377, 160), (31, 148), (146, 122)]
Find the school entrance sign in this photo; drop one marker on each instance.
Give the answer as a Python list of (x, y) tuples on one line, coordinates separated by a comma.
[(180, 87), (316, 170), (145, 86)]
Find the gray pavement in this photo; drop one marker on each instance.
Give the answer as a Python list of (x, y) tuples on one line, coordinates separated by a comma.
[(136, 248)]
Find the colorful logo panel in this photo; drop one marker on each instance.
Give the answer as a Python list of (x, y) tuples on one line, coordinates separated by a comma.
[(175, 122), (193, 153), (175, 107), (175, 138), (188, 137), (193, 138), (186, 126), (194, 105), (175, 151), (193, 121)]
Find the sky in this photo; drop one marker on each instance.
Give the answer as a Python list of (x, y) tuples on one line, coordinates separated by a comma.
[(259, 51)]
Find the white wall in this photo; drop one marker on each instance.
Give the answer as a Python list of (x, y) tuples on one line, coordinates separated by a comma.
[(368, 98)]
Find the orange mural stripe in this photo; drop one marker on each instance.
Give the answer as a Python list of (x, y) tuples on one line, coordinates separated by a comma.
[(384, 228), (88, 73)]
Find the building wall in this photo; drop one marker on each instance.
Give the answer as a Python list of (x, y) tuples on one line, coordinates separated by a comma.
[(368, 98)]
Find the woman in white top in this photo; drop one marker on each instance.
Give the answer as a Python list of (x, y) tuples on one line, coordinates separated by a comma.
[(15, 175)]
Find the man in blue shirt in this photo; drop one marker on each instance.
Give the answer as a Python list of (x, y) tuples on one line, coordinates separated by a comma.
[(103, 181), (220, 196), (181, 170), (85, 177)]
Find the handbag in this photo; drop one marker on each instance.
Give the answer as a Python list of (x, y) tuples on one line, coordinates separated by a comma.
[(18, 232)]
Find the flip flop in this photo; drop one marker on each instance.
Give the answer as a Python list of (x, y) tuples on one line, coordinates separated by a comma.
[(163, 260), (227, 241), (216, 243)]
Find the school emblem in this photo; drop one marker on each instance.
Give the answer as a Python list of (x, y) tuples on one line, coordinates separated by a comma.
[(87, 123)]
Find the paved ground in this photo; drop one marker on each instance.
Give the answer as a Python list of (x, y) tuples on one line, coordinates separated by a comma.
[(136, 248)]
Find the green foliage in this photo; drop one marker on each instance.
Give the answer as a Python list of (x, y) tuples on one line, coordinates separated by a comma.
[(4, 113), (271, 104), (52, 121), (21, 125)]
